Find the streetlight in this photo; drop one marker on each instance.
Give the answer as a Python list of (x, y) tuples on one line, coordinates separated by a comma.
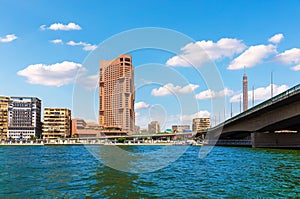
[(271, 83), (253, 95)]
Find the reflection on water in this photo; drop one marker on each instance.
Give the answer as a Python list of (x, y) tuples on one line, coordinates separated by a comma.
[(134, 159), (72, 172)]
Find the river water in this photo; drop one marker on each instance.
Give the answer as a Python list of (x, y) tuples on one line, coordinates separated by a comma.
[(73, 172)]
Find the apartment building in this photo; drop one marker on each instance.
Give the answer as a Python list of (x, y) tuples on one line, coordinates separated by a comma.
[(4, 103), (24, 119), (200, 124), (57, 123)]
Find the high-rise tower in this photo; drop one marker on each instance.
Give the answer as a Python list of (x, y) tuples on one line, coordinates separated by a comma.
[(116, 94), (245, 91)]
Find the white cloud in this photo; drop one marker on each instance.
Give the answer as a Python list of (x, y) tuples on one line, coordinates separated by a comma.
[(141, 105), (137, 114), (225, 92), (203, 51), (142, 119), (261, 94), (237, 97), (89, 82), (59, 26), (207, 94), (8, 38), (58, 74), (200, 114), (56, 41), (210, 94), (86, 46), (43, 27), (276, 38), (252, 56), (170, 89), (296, 68), (289, 57)]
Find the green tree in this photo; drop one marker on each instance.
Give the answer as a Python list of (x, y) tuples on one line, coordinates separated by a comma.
[(121, 140)]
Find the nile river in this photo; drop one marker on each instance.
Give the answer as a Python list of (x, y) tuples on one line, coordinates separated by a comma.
[(72, 172)]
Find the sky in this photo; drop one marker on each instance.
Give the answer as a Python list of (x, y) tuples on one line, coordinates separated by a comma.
[(45, 48)]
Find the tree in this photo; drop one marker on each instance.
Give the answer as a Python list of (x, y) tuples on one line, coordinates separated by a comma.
[(121, 140)]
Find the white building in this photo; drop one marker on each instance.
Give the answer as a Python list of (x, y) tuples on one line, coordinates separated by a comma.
[(24, 117)]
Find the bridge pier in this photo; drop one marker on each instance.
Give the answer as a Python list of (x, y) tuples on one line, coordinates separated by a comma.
[(275, 140)]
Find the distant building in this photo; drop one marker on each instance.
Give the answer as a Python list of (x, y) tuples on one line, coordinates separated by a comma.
[(144, 131), (245, 91), (24, 117), (77, 124), (57, 123), (4, 103), (154, 127), (200, 124), (117, 95), (137, 129), (180, 128), (82, 129)]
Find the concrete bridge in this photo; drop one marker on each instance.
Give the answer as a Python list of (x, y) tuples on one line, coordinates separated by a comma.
[(273, 123)]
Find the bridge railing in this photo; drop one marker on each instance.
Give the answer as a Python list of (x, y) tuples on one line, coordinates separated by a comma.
[(229, 142), (288, 93)]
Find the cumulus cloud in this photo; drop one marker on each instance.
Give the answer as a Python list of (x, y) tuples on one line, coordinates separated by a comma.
[(56, 41), (210, 94), (142, 119), (58, 74), (290, 57), (59, 26), (88, 82), (203, 51), (141, 105), (296, 68), (276, 38), (86, 46), (170, 89), (261, 94), (252, 56), (137, 114), (200, 114), (43, 27), (8, 38)]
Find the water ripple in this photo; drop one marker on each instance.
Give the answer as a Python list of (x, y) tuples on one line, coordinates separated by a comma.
[(72, 172)]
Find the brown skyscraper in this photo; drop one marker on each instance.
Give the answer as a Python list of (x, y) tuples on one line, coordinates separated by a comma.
[(245, 91), (116, 94)]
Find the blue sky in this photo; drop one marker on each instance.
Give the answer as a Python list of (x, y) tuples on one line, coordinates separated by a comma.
[(44, 44)]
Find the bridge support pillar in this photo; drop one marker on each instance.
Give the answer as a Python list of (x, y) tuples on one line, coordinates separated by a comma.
[(275, 140)]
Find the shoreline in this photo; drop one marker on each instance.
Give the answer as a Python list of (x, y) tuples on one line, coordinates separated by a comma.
[(97, 144)]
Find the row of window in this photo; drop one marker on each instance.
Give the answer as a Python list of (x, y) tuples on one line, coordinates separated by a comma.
[(126, 59)]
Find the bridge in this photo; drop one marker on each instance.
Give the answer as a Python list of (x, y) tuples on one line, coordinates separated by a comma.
[(272, 123)]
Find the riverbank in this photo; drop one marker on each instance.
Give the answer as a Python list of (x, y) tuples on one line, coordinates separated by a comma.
[(102, 144)]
